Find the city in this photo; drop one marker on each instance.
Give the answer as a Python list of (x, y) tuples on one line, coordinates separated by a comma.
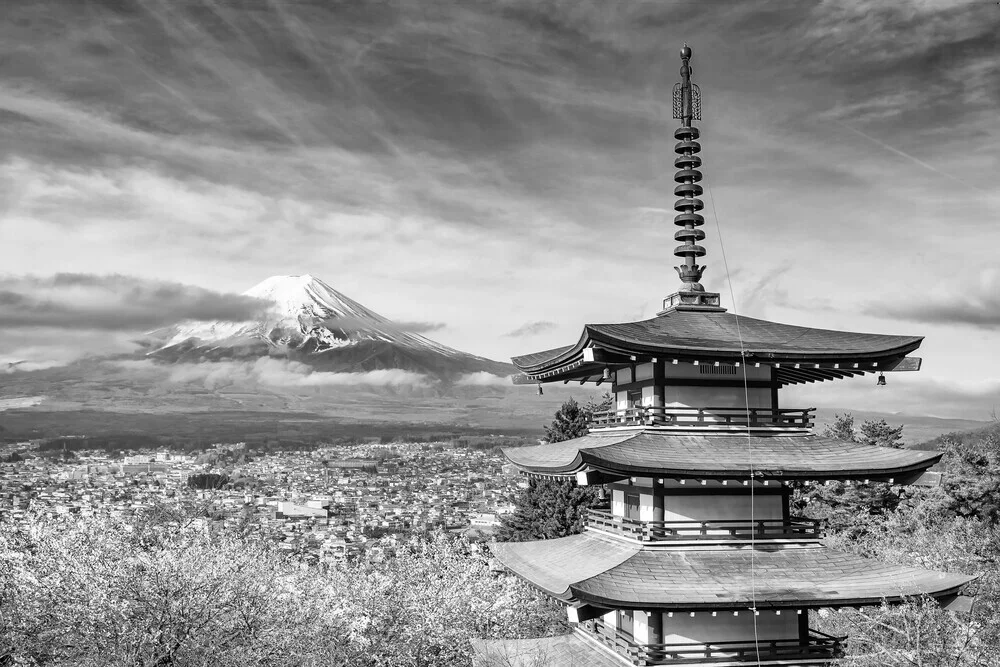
[(323, 506)]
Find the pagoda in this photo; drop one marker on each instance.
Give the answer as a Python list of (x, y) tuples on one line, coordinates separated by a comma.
[(697, 559)]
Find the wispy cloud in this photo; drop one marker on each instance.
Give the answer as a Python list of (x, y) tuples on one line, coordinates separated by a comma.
[(483, 379), (975, 304), (272, 372), (114, 303), (349, 324), (531, 329)]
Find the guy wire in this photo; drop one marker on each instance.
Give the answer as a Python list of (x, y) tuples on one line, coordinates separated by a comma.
[(746, 398)]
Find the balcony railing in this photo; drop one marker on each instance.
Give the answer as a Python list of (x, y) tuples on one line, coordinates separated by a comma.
[(817, 646), (795, 528), (707, 418)]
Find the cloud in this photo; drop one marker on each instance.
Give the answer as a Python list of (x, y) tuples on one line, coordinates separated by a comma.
[(352, 324), (906, 393), (483, 379), (976, 305), (76, 301), (272, 372), (531, 329)]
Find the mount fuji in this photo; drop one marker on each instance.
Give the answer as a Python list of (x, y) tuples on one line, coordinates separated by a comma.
[(306, 320)]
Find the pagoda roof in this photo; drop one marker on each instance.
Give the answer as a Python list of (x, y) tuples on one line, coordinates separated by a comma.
[(569, 650), (716, 336), (590, 568), (648, 452)]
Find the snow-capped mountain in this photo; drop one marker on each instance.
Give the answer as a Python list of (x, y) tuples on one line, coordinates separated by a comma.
[(310, 321)]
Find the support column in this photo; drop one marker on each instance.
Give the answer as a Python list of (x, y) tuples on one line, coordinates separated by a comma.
[(659, 384), (804, 627), (774, 390), (658, 500), (655, 622)]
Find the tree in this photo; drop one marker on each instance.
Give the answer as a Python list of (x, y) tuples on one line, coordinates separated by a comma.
[(548, 509), (571, 418), (555, 508), (842, 428), (880, 434), (850, 507), (570, 422), (98, 592)]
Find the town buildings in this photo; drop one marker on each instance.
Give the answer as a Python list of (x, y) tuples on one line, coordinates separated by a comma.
[(322, 506)]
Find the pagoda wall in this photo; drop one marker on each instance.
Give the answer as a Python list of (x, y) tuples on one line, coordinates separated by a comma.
[(723, 627), (686, 503), (710, 507), (688, 385)]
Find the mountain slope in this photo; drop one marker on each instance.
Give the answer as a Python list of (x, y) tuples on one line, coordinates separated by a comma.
[(310, 322)]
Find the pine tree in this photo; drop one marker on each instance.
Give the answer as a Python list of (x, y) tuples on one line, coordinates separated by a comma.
[(555, 508)]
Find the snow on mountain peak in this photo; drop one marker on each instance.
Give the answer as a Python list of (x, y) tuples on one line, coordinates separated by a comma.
[(306, 314)]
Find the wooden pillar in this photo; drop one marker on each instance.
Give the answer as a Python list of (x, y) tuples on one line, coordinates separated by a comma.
[(659, 384), (658, 500), (655, 622), (804, 627), (774, 389)]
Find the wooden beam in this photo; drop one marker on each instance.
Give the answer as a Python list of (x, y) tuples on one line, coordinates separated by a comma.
[(579, 613), (595, 477), (904, 364)]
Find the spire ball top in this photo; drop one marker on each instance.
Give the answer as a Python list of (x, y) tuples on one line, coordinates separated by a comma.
[(686, 52)]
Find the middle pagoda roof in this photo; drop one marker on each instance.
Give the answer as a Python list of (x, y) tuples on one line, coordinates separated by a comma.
[(651, 452), (798, 354)]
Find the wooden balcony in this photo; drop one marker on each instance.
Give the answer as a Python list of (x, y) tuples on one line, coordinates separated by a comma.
[(795, 528), (724, 419), (817, 648)]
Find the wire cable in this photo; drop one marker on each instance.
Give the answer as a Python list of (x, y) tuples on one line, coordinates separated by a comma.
[(746, 398)]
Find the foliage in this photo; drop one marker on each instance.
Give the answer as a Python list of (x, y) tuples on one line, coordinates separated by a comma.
[(96, 591), (548, 509), (920, 632), (555, 508), (570, 420), (849, 506), (953, 528), (207, 480), (880, 434)]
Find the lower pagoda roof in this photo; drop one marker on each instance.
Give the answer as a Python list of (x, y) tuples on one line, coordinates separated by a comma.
[(648, 452), (802, 354), (593, 569)]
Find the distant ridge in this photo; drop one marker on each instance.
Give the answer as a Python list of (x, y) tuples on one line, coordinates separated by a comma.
[(313, 323)]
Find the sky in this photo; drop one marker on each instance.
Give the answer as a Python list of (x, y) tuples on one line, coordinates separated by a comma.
[(504, 170)]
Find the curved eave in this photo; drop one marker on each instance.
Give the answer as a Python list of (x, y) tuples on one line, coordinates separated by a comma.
[(554, 565), (592, 569), (781, 458), (840, 353)]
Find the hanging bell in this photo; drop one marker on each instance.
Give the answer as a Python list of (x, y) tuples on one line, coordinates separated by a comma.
[(881, 381), (540, 392), (607, 373)]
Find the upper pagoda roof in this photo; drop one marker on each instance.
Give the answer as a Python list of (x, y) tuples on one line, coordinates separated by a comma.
[(645, 452), (601, 571), (706, 335)]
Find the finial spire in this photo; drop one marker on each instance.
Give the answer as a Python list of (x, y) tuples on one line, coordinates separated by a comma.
[(687, 107)]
